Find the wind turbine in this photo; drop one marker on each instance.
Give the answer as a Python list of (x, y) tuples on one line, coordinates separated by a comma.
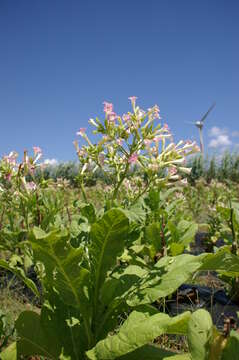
[(199, 124)]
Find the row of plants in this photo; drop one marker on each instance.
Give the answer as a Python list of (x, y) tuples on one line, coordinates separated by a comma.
[(107, 258), (223, 168)]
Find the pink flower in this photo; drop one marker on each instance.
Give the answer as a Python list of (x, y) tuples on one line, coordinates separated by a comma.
[(112, 117), (81, 152), (31, 186), (81, 132), (120, 141), (147, 142), (11, 158), (126, 117), (184, 181), (154, 167), (172, 171), (166, 127), (108, 107), (13, 154), (155, 112), (133, 100), (37, 150), (140, 114), (158, 138), (133, 158), (8, 176)]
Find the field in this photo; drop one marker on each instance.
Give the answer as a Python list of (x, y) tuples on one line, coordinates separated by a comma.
[(139, 263)]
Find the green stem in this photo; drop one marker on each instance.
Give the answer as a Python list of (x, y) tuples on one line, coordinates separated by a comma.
[(234, 239), (115, 193), (123, 176), (141, 193), (89, 334), (83, 192)]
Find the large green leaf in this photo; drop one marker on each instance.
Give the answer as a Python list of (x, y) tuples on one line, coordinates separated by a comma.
[(88, 211), (188, 230), (33, 339), (121, 283), (63, 271), (62, 267), (59, 329), (153, 236), (222, 261), (10, 353), (178, 357), (149, 352), (200, 335), (181, 234), (231, 350), (67, 324), (107, 242), (136, 212), (107, 237), (169, 273), (11, 239), (176, 248), (138, 330), (19, 272), (113, 297)]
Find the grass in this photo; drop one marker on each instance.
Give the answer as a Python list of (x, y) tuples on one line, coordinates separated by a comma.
[(12, 303)]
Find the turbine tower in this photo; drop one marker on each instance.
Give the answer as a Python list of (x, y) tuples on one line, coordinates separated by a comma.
[(199, 124)]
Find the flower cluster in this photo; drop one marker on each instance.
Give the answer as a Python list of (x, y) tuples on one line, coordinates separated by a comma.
[(135, 139), (13, 172)]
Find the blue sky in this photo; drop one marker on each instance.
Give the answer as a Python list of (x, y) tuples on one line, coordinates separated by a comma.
[(60, 59)]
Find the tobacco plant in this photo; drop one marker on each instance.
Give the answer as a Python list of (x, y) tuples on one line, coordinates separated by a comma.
[(99, 285), (136, 140), (88, 292)]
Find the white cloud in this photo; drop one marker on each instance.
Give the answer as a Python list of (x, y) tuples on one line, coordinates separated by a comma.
[(52, 162), (220, 141), (221, 138), (216, 131), (235, 133)]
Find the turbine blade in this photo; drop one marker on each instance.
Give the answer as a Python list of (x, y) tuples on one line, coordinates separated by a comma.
[(190, 122), (210, 109)]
